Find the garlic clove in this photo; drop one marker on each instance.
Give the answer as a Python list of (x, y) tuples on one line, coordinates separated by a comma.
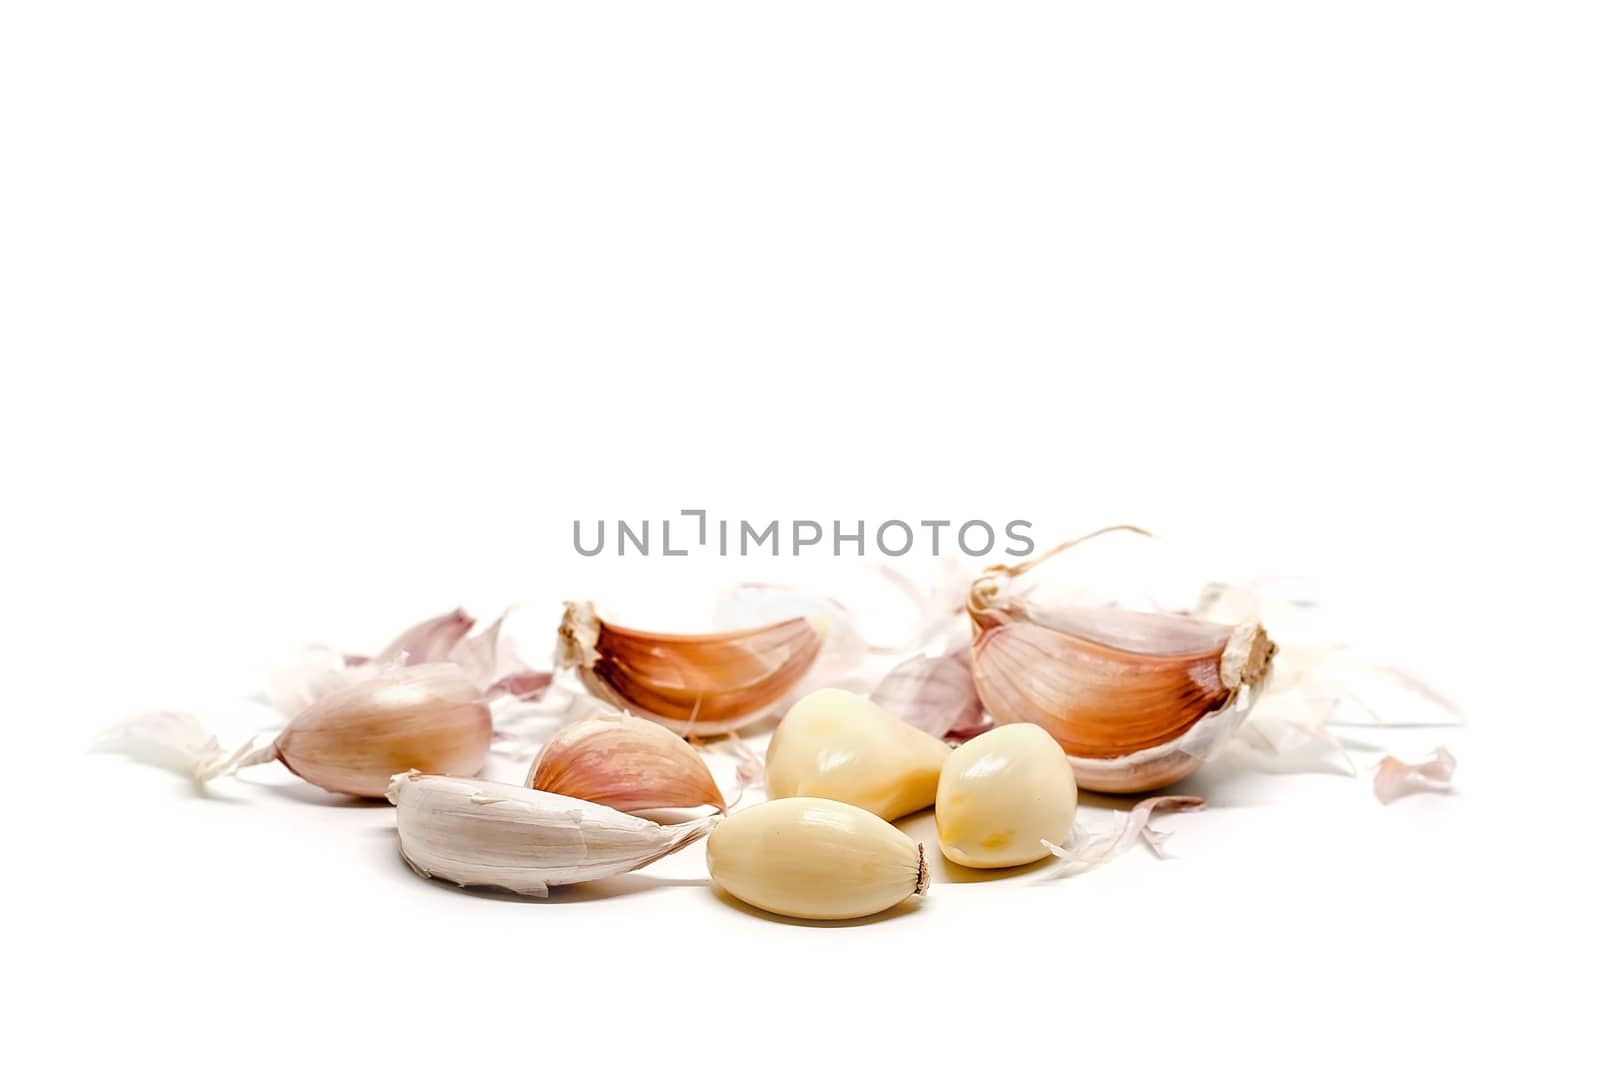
[(843, 747), (698, 685), (427, 717), (811, 858), (350, 740), (1137, 700), (1003, 796), (627, 763), (477, 833)]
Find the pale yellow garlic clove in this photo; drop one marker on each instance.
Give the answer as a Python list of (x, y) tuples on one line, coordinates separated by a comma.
[(428, 718), (698, 685), (811, 858), (627, 763), (477, 833), (1002, 795), (840, 746)]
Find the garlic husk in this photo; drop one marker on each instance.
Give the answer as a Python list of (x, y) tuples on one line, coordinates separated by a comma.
[(1002, 796), (352, 740), (812, 858), (1397, 777), (697, 685), (627, 763), (430, 640), (428, 718), (1137, 700), (487, 658), (477, 833), (1086, 849), (935, 694), (840, 746)]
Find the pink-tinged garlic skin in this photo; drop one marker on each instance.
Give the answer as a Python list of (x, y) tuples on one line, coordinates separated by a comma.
[(429, 641), (427, 718), (1134, 699), (627, 763)]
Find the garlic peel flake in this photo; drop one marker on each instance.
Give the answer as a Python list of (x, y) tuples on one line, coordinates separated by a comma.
[(1085, 850), (1396, 777)]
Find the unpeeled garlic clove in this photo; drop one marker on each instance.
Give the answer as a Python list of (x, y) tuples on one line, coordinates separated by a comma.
[(477, 833), (811, 858), (1136, 700), (697, 685), (351, 740), (840, 746), (627, 763), (428, 718), (1003, 796)]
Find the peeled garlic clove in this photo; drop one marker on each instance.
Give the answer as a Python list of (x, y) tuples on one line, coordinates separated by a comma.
[(811, 858), (1136, 700), (626, 763), (696, 685), (477, 833), (427, 718), (840, 746), (1002, 796)]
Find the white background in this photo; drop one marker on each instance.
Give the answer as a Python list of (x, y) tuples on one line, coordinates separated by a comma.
[(321, 317)]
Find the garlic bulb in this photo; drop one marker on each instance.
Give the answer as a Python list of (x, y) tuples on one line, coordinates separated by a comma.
[(697, 685), (1003, 797), (843, 747), (477, 833), (624, 762), (811, 858), (1136, 700), (351, 740)]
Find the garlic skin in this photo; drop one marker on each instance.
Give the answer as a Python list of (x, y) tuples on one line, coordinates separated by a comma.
[(1136, 700), (811, 858), (477, 833), (627, 763), (697, 685), (1003, 797), (353, 740), (840, 746)]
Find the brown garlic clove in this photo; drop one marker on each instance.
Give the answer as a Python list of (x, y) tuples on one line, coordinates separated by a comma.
[(626, 763), (696, 685), (1136, 700), (428, 718)]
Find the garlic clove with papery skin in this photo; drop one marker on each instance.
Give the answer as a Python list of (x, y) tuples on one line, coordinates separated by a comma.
[(351, 740), (811, 858), (477, 833), (841, 746), (697, 685), (1137, 700), (627, 763), (1002, 795), (428, 718)]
